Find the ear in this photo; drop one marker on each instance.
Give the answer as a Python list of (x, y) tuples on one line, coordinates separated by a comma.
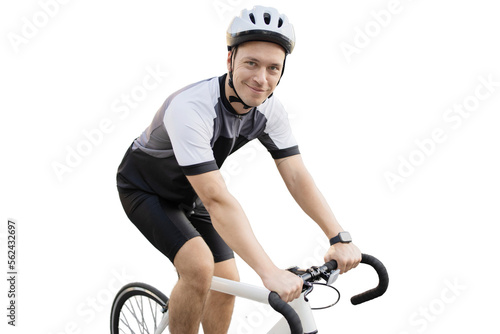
[(229, 55)]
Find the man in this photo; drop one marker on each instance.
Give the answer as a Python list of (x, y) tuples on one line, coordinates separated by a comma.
[(171, 188)]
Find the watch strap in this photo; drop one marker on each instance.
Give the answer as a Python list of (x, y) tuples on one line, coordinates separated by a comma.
[(334, 240), (338, 238)]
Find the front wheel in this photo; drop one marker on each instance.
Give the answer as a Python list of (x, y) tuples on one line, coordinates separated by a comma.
[(138, 308)]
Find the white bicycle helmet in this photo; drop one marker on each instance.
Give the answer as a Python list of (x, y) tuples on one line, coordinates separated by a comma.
[(261, 24)]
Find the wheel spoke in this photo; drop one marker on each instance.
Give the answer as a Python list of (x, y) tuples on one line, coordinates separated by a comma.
[(131, 309), (138, 310), (154, 313), (141, 309), (124, 320)]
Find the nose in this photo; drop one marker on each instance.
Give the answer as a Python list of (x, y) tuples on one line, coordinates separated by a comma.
[(260, 76)]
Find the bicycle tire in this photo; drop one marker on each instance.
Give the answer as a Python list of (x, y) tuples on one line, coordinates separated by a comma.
[(137, 308)]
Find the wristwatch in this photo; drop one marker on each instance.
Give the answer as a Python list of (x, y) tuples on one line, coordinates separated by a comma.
[(343, 237)]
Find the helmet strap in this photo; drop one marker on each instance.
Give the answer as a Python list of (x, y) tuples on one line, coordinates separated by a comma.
[(236, 98)]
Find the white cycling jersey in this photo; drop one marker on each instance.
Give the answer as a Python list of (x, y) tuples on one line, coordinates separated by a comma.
[(193, 132)]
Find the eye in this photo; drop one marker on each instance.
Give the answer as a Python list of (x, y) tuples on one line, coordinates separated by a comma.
[(251, 63)]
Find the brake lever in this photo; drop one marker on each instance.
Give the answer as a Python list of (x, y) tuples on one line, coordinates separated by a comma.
[(307, 291)]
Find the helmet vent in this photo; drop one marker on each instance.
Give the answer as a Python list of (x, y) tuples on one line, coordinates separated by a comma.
[(261, 24), (267, 18)]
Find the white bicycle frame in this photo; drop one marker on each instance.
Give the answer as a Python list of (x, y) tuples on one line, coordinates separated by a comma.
[(258, 294)]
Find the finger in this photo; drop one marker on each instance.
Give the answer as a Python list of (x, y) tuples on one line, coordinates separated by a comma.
[(357, 261), (293, 294), (350, 265), (298, 291), (284, 296), (346, 266), (297, 288), (353, 265)]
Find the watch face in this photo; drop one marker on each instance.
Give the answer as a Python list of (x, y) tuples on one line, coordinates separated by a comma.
[(345, 237)]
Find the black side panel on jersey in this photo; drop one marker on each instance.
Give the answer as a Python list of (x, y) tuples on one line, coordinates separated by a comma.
[(163, 177)]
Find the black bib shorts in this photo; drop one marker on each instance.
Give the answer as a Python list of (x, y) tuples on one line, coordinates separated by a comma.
[(168, 226)]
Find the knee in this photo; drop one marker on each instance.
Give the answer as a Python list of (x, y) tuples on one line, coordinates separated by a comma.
[(199, 277), (196, 267)]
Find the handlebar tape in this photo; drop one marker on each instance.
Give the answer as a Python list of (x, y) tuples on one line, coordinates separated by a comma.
[(287, 311), (383, 278), (293, 319)]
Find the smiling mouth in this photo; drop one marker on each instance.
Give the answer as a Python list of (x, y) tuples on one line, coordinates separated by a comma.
[(257, 90)]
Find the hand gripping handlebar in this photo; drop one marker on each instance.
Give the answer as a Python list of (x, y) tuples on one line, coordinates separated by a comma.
[(315, 274)]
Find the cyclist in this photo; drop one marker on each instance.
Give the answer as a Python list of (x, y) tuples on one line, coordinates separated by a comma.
[(171, 188)]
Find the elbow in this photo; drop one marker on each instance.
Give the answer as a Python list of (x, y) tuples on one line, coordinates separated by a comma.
[(215, 201), (210, 204), (297, 182), (212, 190)]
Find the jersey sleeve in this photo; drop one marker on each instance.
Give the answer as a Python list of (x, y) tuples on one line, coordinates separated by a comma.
[(190, 131), (277, 136)]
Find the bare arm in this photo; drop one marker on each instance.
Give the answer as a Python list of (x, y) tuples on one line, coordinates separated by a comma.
[(305, 192), (232, 224)]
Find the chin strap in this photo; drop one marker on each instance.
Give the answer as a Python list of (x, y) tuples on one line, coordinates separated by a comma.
[(236, 98)]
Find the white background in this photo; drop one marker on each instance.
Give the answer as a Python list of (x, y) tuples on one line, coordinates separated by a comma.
[(354, 116)]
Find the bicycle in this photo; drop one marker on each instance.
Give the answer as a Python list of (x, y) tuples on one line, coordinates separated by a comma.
[(141, 308)]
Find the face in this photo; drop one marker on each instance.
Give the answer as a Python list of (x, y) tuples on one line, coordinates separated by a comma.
[(257, 69)]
